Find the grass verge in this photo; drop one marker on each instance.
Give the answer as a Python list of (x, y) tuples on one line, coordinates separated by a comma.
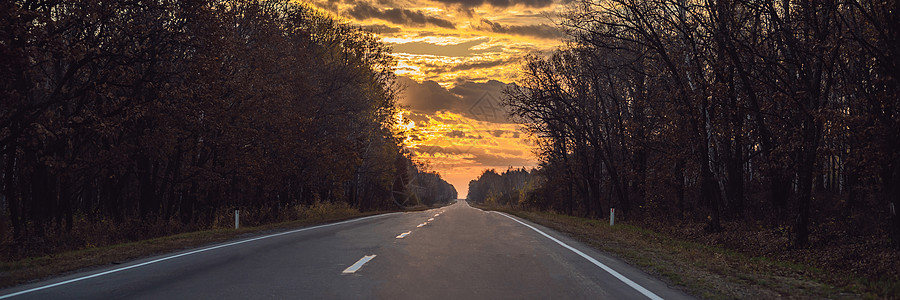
[(41, 267), (706, 271)]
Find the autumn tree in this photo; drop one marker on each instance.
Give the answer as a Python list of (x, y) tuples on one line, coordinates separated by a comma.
[(680, 106), (163, 116)]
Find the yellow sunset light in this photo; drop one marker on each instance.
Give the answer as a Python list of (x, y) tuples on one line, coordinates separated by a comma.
[(452, 56)]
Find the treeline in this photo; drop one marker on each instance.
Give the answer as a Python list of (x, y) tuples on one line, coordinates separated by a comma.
[(512, 187), (774, 112), (428, 188), (143, 114)]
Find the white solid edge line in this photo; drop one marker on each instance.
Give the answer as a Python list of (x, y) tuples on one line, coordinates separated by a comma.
[(358, 264), (609, 270), (185, 254)]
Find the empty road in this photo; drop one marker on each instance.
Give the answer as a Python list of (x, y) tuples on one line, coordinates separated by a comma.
[(453, 252)]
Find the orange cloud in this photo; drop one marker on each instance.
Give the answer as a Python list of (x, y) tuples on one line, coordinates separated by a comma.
[(454, 57)]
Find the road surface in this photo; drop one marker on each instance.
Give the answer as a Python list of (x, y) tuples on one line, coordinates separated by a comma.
[(458, 252)]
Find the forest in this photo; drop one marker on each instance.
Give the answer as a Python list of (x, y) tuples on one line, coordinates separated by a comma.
[(123, 120), (758, 116)]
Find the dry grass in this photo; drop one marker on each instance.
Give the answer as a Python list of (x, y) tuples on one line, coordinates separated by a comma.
[(709, 271)]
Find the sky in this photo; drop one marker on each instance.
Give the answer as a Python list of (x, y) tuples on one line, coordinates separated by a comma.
[(454, 58)]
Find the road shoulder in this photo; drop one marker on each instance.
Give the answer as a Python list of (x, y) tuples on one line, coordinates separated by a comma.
[(700, 270)]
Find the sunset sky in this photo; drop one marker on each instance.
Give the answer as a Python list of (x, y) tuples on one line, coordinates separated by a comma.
[(454, 58)]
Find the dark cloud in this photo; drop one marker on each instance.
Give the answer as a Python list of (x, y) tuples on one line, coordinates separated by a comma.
[(540, 30), (456, 134), (457, 50), (380, 28), (480, 101), (364, 11), (481, 65), (467, 12), (434, 149), (427, 97), (442, 68), (478, 155), (460, 134), (514, 152), (499, 160), (329, 5), (499, 3)]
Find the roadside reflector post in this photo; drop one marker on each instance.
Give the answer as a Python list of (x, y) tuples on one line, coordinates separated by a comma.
[(612, 216), (237, 219)]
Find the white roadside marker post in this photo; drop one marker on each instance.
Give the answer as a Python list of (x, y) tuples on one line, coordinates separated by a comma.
[(612, 215), (237, 219)]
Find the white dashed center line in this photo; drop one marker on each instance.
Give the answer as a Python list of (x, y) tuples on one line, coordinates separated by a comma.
[(430, 219), (423, 224), (359, 263), (403, 235)]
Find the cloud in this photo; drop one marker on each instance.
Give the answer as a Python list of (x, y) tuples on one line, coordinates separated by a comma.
[(474, 155), (481, 100), (513, 152), (456, 134), (539, 30), (460, 135), (463, 49), (499, 3), (329, 5), (440, 67), (436, 149), (381, 28), (500, 160), (481, 64), (475, 100), (426, 97), (400, 16)]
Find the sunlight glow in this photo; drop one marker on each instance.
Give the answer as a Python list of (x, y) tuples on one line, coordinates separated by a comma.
[(453, 45)]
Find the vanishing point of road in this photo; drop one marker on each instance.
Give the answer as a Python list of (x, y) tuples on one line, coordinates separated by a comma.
[(452, 252)]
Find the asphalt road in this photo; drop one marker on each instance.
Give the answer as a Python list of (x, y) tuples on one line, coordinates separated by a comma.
[(463, 253)]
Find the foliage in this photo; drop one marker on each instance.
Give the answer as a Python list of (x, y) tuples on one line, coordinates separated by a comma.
[(428, 188), (511, 188), (162, 112), (783, 112)]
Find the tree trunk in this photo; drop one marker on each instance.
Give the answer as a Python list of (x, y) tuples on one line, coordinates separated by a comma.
[(65, 202), (811, 134), (679, 186), (148, 203), (12, 198), (708, 186), (892, 190)]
